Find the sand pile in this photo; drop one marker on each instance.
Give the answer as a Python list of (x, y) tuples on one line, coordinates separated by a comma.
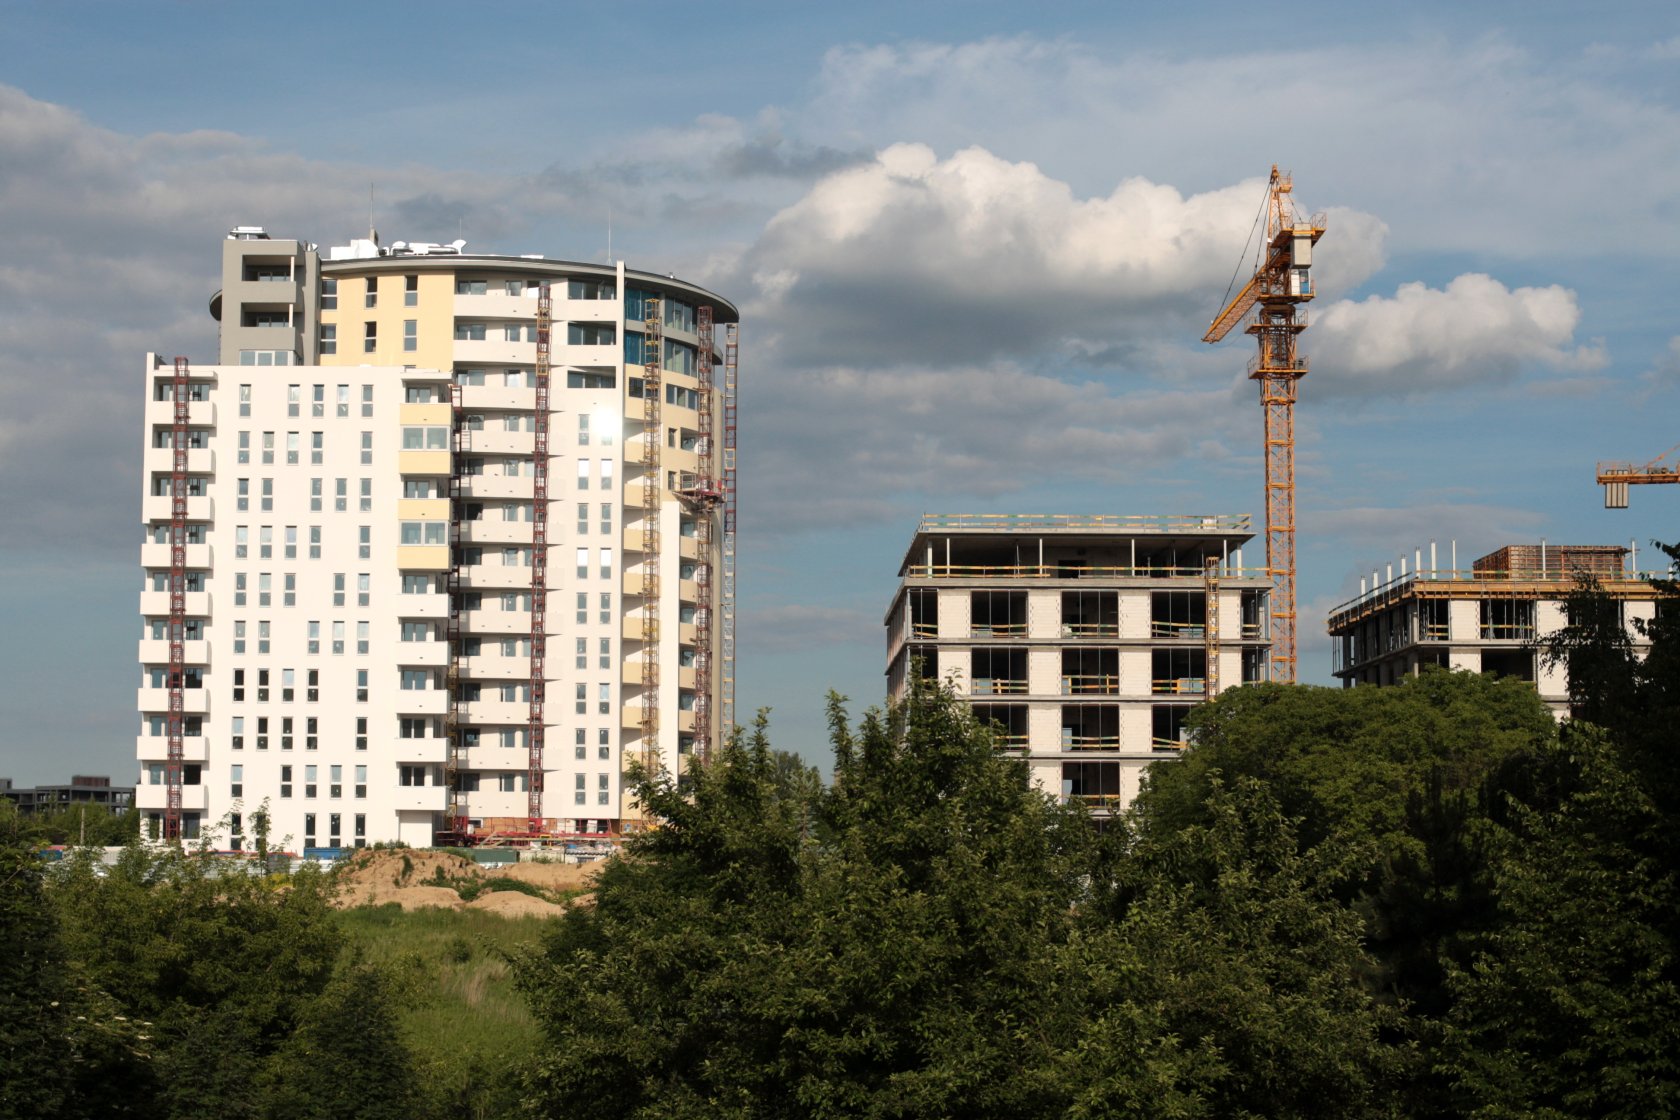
[(410, 878)]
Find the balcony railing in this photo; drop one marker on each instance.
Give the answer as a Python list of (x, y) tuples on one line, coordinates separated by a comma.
[(1091, 685), (996, 686), (1178, 686)]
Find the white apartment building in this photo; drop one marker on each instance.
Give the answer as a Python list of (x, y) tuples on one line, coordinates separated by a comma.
[(1085, 640), (343, 621)]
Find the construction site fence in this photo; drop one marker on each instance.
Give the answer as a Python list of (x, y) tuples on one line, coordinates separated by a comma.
[(1107, 523)]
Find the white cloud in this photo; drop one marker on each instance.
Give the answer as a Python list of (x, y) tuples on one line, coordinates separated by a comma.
[(921, 260), (1421, 339)]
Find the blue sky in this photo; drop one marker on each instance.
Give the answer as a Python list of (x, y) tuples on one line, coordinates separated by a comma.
[(975, 246)]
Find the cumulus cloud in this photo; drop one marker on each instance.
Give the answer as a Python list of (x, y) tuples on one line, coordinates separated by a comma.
[(916, 259), (1473, 331)]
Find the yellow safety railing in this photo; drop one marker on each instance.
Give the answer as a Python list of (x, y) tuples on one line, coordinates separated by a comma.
[(1090, 685), (1168, 744), (1163, 629), (1090, 742), (995, 686), (1090, 629), (1107, 522), (1178, 686), (1071, 571), (997, 630)]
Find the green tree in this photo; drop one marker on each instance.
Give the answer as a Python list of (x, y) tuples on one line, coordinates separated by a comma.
[(35, 992), (346, 1057)]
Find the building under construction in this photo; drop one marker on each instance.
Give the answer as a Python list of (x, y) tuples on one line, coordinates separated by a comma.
[(1488, 619), (437, 547), (1085, 641)]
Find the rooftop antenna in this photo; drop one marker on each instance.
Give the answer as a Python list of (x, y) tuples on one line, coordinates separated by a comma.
[(609, 233), (373, 234)]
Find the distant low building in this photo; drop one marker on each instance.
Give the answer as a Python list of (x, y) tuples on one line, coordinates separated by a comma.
[(1486, 620), (83, 789)]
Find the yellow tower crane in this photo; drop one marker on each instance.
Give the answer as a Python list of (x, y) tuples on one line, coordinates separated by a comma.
[(1617, 477), (1281, 282)]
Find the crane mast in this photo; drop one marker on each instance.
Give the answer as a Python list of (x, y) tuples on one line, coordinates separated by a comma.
[(1280, 284)]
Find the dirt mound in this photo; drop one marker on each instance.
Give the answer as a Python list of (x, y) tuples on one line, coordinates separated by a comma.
[(550, 876), (512, 904), (413, 898)]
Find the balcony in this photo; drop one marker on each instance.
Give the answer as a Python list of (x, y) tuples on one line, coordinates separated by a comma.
[(433, 605), (200, 414), (495, 304), (580, 355), (194, 799), (155, 604), (489, 622), (435, 654), (1098, 685), (495, 532), (194, 701), (200, 460), (486, 441), (155, 651), (154, 555), (495, 350), (423, 463), (499, 712), (420, 751), (495, 667), (496, 486), (497, 398), (155, 748), (423, 557), (421, 702), (424, 799), (496, 576), (1178, 686), (994, 686), (159, 507)]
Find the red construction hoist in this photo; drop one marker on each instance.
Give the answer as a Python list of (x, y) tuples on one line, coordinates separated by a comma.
[(455, 816), (731, 361), (704, 495), (653, 485), (177, 605), (539, 570)]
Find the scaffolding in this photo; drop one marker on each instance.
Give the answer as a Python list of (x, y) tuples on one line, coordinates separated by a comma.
[(731, 366), (704, 496), (1210, 626), (537, 686), (454, 755), (177, 603), (653, 434)]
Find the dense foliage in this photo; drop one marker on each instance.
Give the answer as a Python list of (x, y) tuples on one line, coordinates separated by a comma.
[(1430, 900)]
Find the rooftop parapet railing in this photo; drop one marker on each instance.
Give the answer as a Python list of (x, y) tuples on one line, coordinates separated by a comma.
[(1466, 582), (1098, 522), (922, 570)]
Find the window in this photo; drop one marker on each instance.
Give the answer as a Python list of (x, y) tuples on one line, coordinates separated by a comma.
[(591, 334), (343, 401), (238, 734), (372, 298), (238, 637), (244, 455), (411, 335), (329, 338), (418, 488), (315, 495), (341, 494), (606, 653), (606, 563), (239, 589), (294, 399), (338, 589), (604, 699), (580, 794), (329, 294), (363, 581), (241, 548), (424, 532), (367, 448), (335, 785), (314, 542), (603, 743), (244, 400), (413, 584), (292, 447), (314, 637), (285, 781), (361, 791), (582, 607), (338, 648), (606, 474), (318, 401), (291, 542), (370, 336), (265, 587), (582, 658), (314, 693), (416, 631), (425, 438), (583, 474), (268, 447), (411, 291), (317, 445), (469, 332), (592, 379), (465, 287), (242, 491), (289, 596), (367, 400), (583, 563), (591, 289), (361, 682), (361, 637), (511, 332), (367, 495), (361, 745), (365, 549), (606, 606), (411, 775), (268, 491), (582, 698)]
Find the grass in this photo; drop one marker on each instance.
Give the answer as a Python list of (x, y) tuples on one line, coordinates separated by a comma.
[(468, 1028)]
